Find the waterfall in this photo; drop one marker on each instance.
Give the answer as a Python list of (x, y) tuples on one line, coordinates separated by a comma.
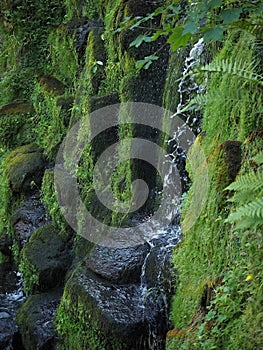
[(156, 290)]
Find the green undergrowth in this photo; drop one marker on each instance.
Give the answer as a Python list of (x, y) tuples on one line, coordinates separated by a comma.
[(63, 55), (49, 198), (219, 281), (3, 193), (52, 119)]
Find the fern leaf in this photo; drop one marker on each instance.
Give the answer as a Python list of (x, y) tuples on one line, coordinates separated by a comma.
[(259, 158), (232, 68), (250, 181), (253, 210)]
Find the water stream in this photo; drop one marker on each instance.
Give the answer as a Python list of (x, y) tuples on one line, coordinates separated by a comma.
[(11, 297)]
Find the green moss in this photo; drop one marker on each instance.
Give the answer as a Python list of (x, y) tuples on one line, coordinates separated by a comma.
[(24, 165), (4, 195), (49, 198), (43, 263), (233, 104), (64, 60), (52, 119), (215, 298)]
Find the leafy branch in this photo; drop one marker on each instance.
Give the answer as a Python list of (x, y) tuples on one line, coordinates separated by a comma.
[(207, 19)]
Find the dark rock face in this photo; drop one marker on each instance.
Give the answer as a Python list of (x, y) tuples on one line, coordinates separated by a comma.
[(118, 265), (112, 314), (28, 217), (116, 297), (25, 166), (35, 320), (47, 255), (232, 151)]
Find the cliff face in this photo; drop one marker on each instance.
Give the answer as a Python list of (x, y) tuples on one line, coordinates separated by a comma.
[(66, 63)]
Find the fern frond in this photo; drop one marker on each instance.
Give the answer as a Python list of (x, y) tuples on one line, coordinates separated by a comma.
[(252, 210), (232, 68), (251, 181), (244, 196), (258, 158)]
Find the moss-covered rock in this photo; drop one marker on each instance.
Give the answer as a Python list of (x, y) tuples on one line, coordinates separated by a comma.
[(96, 315), (95, 59), (52, 85), (45, 259), (35, 320), (17, 107), (24, 167)]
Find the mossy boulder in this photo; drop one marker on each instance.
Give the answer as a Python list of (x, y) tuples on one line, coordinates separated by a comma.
[(45, 259), (24, 166), (17, 107), (35, 320), (96, 315), (52, 85)]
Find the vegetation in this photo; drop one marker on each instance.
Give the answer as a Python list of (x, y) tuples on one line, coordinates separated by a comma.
[(49, 81), (217, 302)]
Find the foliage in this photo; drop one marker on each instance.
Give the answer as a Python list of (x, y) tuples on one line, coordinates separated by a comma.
[(3, 193), (207, 19), (218, 296), (248, 197), (51, 120), (30, 274), (49, 198)]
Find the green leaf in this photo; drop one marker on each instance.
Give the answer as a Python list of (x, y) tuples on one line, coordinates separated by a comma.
[(215, 3), (140, 39), (100, 63), (215, 33), (190, 27), (157, 34), (177, 39), (230, 15), (146, 62)]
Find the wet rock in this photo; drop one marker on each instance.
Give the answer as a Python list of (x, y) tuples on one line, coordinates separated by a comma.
[(45, 259), (83, 32), (52, 85), (35, 320), (118, 265), (29, 216), (5, 244), (25, 166), (232, 153), (97, 102), (108, 315), (17, 107)]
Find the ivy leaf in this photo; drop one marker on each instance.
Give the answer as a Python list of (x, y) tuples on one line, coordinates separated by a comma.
[(231, 15), (215, 33), (177, 39), (140, 39)]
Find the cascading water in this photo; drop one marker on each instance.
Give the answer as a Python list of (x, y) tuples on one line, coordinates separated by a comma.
[(156, 290), (11, 297)]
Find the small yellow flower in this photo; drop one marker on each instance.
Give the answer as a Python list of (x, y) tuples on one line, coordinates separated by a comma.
[(249, 278)]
